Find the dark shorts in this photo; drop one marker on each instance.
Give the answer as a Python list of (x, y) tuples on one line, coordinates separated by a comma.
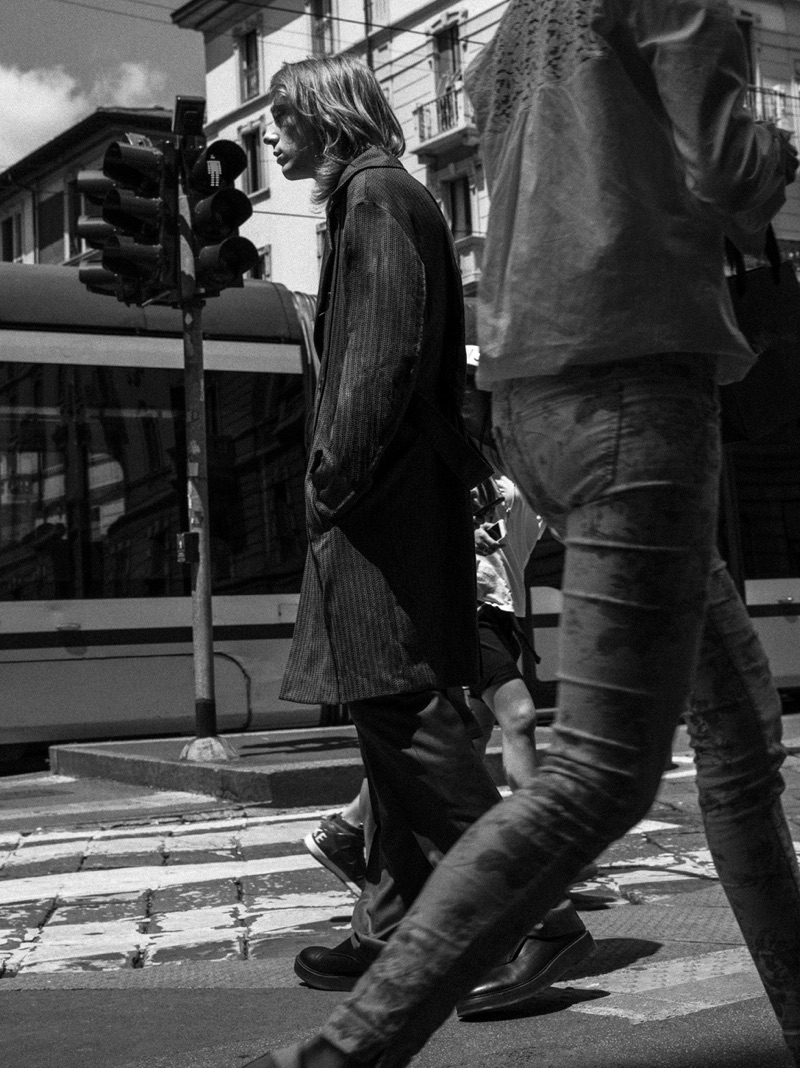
[(500, 648)]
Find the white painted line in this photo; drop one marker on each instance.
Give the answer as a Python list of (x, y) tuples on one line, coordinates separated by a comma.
[(79, 884), (666, 989), (695, 862), (649, 826)]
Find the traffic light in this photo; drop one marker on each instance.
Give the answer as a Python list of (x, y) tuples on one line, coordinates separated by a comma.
[(216, 211), (137, 233)]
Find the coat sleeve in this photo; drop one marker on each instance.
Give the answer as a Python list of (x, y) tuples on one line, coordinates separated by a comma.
[(733, 165), (383, 289)]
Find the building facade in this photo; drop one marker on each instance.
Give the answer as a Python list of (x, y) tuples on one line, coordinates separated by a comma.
[(39, 199), (419, 51)]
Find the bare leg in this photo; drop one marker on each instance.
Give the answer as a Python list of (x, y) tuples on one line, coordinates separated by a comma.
[(352, 813), (515, 712)]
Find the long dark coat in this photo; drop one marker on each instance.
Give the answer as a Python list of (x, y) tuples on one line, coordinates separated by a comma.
[(388, 597)]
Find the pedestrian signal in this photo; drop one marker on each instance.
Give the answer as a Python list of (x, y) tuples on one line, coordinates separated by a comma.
[(216, 211), (136, 232)]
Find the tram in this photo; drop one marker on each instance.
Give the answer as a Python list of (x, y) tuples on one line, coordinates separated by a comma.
[(95, 609)]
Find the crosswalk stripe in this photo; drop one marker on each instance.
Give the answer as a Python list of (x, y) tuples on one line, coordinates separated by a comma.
[(79, 884), (666, 989)]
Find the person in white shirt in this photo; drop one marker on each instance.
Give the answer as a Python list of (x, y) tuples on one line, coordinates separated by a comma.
[(505, 536)]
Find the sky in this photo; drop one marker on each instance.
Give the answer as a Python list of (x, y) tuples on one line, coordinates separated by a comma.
[(61, 59)]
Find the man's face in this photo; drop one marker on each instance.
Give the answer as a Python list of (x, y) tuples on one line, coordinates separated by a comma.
[(295, 155)]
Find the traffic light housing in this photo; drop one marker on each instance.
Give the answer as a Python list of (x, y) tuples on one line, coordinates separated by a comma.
[(216, 211), (137, 233)]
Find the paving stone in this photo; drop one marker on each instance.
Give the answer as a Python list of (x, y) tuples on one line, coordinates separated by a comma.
[(187, 857), (54, 837), (10, 940), (150, 845), (101, 910), (271, 834), (33, 869), (81, 946), (221, 843), (313, 880), (26, 914), (100, 862), (43, 859), (194, 896), (277, 849), (70, 959), (200, 944), (280, 921)]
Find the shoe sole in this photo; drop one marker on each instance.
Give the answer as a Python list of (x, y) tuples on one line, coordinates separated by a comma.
[(518, 996), (326, 862), (323, 981)]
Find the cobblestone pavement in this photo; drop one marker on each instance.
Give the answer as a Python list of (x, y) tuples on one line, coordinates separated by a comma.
[(113, 905)]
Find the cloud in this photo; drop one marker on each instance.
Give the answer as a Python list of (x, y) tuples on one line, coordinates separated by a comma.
[(37, 105)]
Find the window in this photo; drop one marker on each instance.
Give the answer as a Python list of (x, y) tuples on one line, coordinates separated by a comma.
[(255, 174), (250, 66), (457, 197), (446, 58), (50, 229), (322, 39), (263, 268), (11, 230), (92, 481)]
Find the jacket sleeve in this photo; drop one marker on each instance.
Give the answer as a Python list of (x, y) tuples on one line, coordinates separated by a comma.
[(383, 289), (733, 165)]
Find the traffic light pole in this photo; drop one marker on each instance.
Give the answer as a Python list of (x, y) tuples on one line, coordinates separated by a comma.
[(207, 746)]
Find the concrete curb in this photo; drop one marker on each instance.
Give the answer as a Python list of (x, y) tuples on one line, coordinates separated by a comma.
[(280, 783), (286, 786)]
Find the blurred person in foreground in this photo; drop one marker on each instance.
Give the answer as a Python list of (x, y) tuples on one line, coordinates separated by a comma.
[(618, 153), (387, 614)]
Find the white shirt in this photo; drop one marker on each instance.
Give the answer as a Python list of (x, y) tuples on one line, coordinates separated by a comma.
[(501, 574)]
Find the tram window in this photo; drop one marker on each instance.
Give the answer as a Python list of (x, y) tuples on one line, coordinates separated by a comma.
[(92, 481)]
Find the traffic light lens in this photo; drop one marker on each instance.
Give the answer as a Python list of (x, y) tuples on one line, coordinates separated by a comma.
[(218, 216), (134, 166), (130, 260)]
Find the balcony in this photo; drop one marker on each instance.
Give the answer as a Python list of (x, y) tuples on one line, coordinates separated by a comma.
[(470, 259), (775, 105), (445, 123)]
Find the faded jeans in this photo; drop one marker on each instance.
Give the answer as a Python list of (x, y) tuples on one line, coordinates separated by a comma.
[(624, 462)]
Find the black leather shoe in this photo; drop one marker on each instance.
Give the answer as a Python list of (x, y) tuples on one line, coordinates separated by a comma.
[(536, 964), (331, 969)]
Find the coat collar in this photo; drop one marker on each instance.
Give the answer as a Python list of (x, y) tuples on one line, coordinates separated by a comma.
[(371, 158)]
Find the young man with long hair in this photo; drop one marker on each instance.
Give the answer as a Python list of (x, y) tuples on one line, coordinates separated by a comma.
[(387, 615)]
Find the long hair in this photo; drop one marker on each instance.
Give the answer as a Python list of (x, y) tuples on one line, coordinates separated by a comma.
[(340, 109)]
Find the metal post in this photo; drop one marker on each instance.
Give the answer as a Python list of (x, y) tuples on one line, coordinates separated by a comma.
[(368, 33), (206, 746)]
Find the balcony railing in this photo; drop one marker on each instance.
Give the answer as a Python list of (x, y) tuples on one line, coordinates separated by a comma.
[(775, 105), (445, 121)]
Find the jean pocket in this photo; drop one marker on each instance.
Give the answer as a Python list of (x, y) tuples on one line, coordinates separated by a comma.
[(574, 453)]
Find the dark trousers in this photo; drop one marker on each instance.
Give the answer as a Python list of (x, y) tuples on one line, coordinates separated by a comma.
[(427, 785)]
